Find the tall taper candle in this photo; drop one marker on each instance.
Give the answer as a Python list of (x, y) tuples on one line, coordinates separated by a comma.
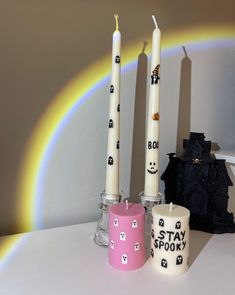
[(112, 169), (152, 142)]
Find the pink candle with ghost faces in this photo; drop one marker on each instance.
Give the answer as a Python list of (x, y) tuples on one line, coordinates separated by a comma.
[(126, 236)]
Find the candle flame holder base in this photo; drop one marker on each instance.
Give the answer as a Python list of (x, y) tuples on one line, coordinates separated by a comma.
[(148, 203), (101, 237)]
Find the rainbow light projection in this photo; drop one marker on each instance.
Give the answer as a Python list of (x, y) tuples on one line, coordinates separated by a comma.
[(64, 105)]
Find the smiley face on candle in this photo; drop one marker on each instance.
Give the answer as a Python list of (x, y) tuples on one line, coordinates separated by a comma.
[(152, 168)]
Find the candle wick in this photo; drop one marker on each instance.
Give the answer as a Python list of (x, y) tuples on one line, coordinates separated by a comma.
[(155, 21), (171, 204), (127, 204), (116, 19)]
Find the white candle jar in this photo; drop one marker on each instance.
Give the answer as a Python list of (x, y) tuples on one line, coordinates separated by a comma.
[(170, 239)]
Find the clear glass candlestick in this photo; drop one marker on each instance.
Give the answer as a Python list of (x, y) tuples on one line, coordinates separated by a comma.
[(149, 203), (101, 237)]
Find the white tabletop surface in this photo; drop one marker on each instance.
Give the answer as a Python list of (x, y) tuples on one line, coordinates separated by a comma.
[(229, 156), (66, 261)]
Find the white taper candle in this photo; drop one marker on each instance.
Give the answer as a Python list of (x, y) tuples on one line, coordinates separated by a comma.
[(152, 138), (112, 168)]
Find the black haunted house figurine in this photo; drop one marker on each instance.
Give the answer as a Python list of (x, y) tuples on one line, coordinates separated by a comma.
[(200, 183)]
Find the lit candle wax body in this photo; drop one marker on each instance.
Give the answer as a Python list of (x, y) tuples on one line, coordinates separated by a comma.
[(126, 236), (112, 168), (153, 117), (170, 239)]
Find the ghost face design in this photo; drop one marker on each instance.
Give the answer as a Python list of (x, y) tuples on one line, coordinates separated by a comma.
[(152, 168), (111, 89), (111, 244), (164, 263), (115, 222), (179, 260), (134, 224), (110, 123), (122, 236), (124, 259), (110, 160), (137, 246), (117, 59), (178, 225)]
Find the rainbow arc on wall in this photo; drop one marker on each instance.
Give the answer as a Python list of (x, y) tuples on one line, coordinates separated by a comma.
[(75, 93)]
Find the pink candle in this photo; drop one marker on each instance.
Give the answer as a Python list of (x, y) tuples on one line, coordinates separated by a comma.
[(126, 236)]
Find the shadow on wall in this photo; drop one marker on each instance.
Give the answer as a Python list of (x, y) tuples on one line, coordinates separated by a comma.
[(138, 142), (184, 111)]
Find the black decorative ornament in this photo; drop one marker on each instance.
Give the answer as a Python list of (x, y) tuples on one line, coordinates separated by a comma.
[(178, 225), (200, 183), (118, 108), (164, 263), (111, 89), (118, 145), (152, 252), (117, 59), (110, 160), (161, 222), (110, 123), (179, 260)]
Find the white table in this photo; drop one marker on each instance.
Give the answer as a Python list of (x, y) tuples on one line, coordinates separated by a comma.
[(229, 156), (66, 261)]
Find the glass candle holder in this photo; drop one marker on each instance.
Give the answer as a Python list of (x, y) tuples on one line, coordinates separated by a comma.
[(101, 237)]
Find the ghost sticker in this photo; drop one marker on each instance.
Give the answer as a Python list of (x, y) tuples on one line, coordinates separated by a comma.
[(164, 263), (110, 123), (178, 225), (161, 222), (115, 222), (122, 236), (137, 246), (111, 244), (118, 108), (118, 145), (124, 259), (110, 160), (179, 260), (111, 89), (152, 168), (134, 224), (117, 59)]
